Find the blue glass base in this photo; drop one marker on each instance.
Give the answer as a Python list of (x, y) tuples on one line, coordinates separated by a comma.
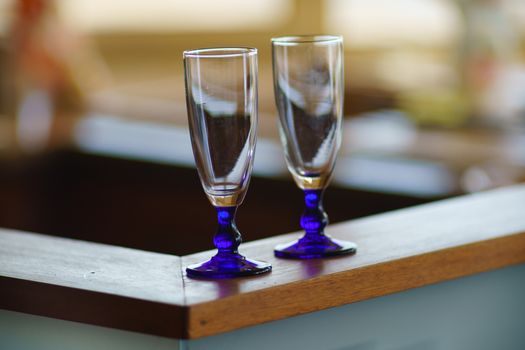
[(227, 263), (314, 244), (314, 247), (228, 266)]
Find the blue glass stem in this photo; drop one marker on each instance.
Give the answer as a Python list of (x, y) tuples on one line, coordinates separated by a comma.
[(227, 263), (314, 218), (314, 244), (228, 238)]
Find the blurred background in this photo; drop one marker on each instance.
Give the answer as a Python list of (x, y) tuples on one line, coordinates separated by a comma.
[(93, 128)]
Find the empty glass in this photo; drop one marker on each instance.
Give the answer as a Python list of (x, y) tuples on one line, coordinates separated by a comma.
[(309, 91), (221, 98)]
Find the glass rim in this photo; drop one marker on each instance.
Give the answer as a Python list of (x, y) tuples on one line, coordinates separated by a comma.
[(307, 39), (220, 52)]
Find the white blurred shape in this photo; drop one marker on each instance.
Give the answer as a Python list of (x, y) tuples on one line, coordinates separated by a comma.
[(34, 119), (160, 143), (385, 131), (386, 22), (504, 99), (174, 15), (475, 179), (416, 178)]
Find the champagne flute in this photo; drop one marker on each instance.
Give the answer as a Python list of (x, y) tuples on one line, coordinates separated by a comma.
[(221, 99), (309, 91)]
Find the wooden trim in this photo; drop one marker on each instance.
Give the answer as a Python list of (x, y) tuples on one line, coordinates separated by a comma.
[(86, 306), (147, 292), (351, 286), (91, 283)]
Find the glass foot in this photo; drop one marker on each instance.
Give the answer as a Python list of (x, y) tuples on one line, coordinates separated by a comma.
[(314, 247), (228, 266)]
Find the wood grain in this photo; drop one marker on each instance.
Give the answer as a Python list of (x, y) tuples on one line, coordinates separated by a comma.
[(396, 251), (91, 283), (146, 292)]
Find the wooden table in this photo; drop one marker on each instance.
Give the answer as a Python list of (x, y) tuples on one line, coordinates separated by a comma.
[(149, 292)]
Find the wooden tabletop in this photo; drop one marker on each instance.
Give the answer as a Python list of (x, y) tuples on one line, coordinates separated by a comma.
[(148, 292)]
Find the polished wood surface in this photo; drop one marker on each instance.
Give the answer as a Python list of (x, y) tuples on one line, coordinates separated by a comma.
[(91, 283), (397, 251)]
